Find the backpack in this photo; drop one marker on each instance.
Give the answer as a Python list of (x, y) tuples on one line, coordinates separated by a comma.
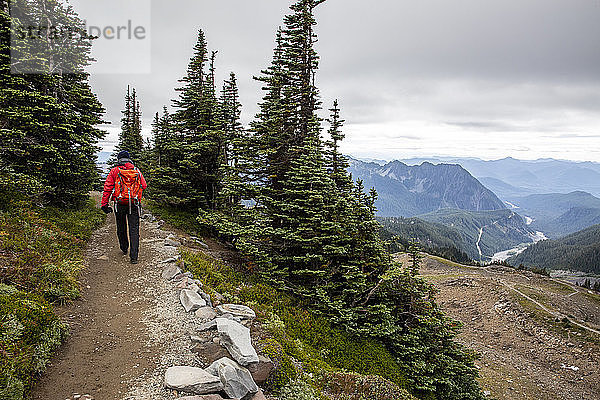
[(128, 187)]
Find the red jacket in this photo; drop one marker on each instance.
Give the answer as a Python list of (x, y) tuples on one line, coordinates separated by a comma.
[(109, 185)]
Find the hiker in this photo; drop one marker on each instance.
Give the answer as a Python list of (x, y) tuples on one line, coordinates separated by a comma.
[(124, 185)]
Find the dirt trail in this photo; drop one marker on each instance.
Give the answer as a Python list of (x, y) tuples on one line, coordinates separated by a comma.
[(109, 344)]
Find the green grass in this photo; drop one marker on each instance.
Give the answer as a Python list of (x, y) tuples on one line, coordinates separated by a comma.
[(41, 256), (450, 263), (558, 287), (536, 295), (41, 248), (293, 332), (184, 220)]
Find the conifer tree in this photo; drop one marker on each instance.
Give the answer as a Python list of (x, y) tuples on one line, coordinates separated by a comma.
[(234, 157), (337, 163), (48, 121), (130, 137), (196, 122)]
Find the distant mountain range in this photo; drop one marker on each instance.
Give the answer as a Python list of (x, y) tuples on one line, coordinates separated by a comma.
[(448, 208), (558, 214), (579, 251), (412, 190), (509, 177)]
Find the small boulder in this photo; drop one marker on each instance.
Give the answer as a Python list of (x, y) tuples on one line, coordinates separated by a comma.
[(191, 300), (169, 260), (182, 275), (236, 339), (170, 271), (192, 380), (206, 297), (237, 381), (202, 397), (173, 243), (261, 370), (209, 351), (208, 326), (193, 286), (182, 284), (206, 313), (259, 395), (237, 310)]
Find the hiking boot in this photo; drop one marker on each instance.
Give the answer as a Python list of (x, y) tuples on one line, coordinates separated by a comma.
[(134, 261), (124, 252)]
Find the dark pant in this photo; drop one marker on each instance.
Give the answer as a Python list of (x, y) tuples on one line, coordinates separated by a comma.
[(123, 217)]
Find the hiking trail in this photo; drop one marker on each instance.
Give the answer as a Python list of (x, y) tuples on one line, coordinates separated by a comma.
[(128, 326)]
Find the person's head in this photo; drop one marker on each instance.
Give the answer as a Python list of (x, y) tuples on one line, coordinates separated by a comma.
[(123, 154)]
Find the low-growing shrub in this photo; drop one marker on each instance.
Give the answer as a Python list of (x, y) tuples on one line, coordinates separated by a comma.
[(29, 334), (298, 390), (352, 386), (40, 262)]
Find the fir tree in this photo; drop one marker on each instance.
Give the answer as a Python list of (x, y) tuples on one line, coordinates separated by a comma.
[(196, 121), (48, 122), (130, 137), (337, 163)]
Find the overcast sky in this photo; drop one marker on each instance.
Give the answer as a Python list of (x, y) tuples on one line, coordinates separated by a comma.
[(486, 79)]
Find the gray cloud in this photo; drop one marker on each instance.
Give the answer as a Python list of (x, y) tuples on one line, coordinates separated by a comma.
[(494, 66)]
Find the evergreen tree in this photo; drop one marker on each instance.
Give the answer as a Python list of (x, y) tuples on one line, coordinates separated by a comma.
[(196, 121), (48, 133), (414, 257), (337, 163), (130, 137)]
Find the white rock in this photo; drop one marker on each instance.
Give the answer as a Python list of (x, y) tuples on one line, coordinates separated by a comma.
[(191, 300), (206, 313), (237, 380), (236, 339), (192, 380), (170, 272), (171, 242), (237, 310)]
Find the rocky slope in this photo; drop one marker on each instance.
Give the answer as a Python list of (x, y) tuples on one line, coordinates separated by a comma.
[(538, 338)]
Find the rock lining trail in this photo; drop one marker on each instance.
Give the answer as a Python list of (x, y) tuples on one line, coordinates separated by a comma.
[(128, 327)]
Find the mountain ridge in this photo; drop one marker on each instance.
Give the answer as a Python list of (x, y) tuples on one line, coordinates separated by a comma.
[(412, 190)]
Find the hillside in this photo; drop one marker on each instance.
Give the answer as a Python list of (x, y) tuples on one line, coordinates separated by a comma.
[(558, 214), (435, 238), (412, 190), (579, 251), (517, 321), (484, 233)]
